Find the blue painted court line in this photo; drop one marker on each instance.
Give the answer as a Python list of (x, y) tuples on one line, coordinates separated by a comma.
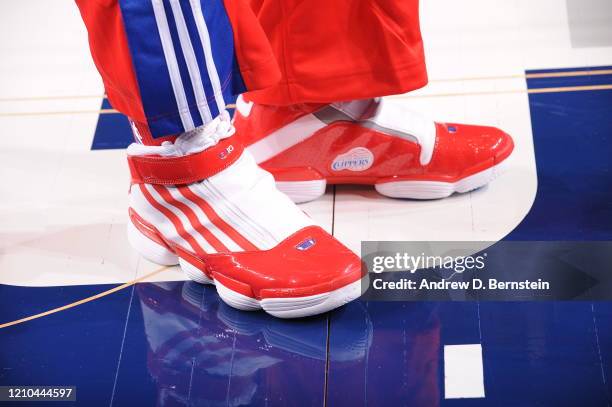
[(602, 319), (400, 360), (78, 347), (566, 81), (542, 354), (572, 134), (113, 130)]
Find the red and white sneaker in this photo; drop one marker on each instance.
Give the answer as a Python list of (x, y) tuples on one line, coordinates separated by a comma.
[(203, 203), (370, 142)]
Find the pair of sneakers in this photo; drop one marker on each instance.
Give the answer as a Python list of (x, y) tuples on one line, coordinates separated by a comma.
[(211, 201)]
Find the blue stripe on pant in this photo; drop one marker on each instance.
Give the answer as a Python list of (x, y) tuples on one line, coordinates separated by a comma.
[(184, 59)]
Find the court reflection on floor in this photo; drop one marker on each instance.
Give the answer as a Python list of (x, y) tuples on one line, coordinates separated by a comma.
[(203, 352)]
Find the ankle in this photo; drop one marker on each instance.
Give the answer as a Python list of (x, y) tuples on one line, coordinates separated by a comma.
[(191, 157)]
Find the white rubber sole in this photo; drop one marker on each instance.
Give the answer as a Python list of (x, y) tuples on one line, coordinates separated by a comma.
[(296, 307), (436, 189), (302, 191), (305, 191)]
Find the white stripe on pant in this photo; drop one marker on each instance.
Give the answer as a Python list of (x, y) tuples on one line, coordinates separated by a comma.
[(196, 7), (195, 74), (171, 62), (190, 59)]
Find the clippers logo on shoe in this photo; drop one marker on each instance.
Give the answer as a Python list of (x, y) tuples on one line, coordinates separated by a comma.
[(357, 159)]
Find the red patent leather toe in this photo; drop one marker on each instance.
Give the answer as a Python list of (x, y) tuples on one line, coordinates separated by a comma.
[(462, 150), (307, 263)]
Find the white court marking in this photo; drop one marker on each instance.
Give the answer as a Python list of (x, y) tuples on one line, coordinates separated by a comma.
[(463, 371)]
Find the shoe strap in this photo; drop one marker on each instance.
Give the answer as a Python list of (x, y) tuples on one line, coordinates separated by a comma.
[(186, 169)]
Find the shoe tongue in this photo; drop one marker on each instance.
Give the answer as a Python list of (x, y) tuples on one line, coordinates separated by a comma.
[(409, 125), (185, 144), (191, 142), (203, 137), (394, 118)]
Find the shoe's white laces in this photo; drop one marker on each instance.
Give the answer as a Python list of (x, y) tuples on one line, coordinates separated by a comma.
[(207, 136), (190, 142)]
